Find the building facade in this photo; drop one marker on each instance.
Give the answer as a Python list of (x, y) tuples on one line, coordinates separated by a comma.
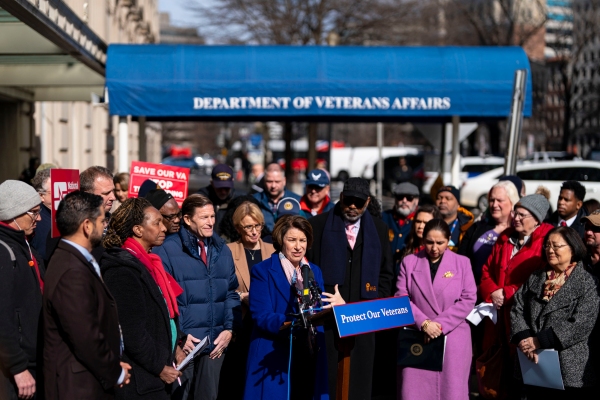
[(52, 82)]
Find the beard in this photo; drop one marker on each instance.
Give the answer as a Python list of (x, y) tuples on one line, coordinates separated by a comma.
[(405, 212), (96, 238), (352, 218)]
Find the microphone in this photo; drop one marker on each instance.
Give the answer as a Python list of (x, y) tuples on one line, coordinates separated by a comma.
[(306, 282)]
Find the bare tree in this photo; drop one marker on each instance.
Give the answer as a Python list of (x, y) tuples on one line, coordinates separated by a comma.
[(502, 22), (306, 22), (499, 23)]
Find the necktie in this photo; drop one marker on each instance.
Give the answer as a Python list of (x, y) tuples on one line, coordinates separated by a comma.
[(202, 252), (351, 236), (563, 223)]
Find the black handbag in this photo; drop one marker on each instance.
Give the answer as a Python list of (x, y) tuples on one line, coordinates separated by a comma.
[(414, 353)]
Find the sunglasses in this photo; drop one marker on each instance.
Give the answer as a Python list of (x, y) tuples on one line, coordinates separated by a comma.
[(349, 200), (408, 197), (593, 228)]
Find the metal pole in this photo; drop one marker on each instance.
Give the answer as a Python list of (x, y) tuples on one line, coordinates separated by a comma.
[(43, 138), (515, 121), (455, 170), (380, 163), (123, 145), (312, 142), (287, 136), (142, 146)]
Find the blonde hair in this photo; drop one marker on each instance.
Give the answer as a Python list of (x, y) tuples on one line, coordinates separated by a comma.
[(247, 209)]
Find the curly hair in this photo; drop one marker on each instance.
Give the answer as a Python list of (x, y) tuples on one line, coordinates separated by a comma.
[(131, 213)]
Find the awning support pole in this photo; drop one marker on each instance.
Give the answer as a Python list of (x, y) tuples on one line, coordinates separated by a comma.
[(515, 121), (380, 163), (142, 148), (455, 170), (123, 145), (312, 142)]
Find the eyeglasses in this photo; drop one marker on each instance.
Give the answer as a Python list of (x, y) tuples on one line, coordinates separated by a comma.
[(554, 247), (171, 217), (349, 200), (408, 197), (522, 216), (250, 228), (34, 214)]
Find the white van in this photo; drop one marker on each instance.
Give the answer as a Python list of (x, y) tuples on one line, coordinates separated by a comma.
[(349, 162), (469, 166)]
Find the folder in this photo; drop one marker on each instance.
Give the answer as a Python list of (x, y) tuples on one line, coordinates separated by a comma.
[(414, 353), (546, 373)]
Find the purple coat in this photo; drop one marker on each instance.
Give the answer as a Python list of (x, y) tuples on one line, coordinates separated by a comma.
[(447, 301)]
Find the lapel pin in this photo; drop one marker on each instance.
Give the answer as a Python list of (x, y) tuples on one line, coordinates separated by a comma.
[(448, 274)]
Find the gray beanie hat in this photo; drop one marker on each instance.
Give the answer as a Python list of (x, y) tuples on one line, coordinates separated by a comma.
[(16, 198), (536, 204)]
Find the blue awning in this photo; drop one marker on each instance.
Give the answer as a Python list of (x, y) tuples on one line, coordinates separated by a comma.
[(318, 82)]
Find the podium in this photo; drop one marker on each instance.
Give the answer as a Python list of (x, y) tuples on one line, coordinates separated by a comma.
[(357, 319)]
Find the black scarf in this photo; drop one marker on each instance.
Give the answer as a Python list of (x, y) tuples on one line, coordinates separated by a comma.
[(334, 255)]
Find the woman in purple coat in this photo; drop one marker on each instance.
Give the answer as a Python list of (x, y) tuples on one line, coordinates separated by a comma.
[(442, 293)]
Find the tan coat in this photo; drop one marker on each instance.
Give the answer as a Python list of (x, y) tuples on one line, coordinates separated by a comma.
[(241, 266)]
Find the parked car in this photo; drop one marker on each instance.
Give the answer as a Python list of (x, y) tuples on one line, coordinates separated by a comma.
[(470, 167), (551, 174), (187, 162)]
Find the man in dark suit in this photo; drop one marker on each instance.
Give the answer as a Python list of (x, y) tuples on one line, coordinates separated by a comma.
[(569, 207), (82, 340), (353, 250)]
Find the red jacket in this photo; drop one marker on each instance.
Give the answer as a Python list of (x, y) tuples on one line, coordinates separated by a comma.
[(502, 272)]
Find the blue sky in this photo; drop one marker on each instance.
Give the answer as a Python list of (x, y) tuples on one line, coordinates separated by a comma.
[(179, 14)]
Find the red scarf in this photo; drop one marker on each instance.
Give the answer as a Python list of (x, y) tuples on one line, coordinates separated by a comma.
[(33, 263), (305, 207), (167, 284), (409, 218)]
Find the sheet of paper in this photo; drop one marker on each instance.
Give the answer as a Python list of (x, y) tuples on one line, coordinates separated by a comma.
[(481, 311), (203, 343), (546, 373)]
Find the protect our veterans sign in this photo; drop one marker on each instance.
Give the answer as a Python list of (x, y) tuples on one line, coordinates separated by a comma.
[(374, 315), (173, 180), (62, 182)]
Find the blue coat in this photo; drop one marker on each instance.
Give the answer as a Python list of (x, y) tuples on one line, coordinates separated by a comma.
[(269, 215), (208, 299), (270, 300), (397, 235)]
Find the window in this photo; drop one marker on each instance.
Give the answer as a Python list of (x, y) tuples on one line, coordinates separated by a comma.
[(533, 175), (588, 174)]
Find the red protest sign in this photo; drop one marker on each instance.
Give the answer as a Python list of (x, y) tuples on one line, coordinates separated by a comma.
[(173, 180), (62, 182)]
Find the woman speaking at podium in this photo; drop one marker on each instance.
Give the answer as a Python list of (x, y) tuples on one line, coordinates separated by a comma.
[(276, 286), (442, 293)]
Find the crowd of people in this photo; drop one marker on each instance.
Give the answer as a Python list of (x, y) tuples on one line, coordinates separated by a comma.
[(112, 307)]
